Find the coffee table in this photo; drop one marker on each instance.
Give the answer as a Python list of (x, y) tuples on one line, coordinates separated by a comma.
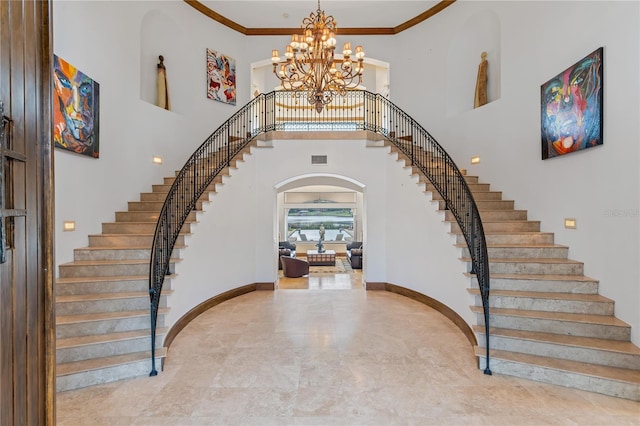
[(327, 258)]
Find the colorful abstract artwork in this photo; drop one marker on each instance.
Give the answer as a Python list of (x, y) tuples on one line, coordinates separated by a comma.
[(221, 77), (571, 108), (76, 110)]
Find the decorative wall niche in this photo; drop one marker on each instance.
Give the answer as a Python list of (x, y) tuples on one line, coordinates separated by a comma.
[(480, 33), (159, 36)]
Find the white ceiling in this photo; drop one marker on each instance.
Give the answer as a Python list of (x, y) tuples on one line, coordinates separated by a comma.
[(348, 14)]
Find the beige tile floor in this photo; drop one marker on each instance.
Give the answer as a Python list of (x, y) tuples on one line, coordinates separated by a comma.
[(322, 351)]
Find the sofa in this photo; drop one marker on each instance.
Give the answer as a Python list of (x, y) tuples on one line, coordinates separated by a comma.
[(294, 268), (288, 245), (354, 254)]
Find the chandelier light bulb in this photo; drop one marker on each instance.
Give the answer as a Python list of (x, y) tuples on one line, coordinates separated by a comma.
[(359, 52), (275, 56), (331, 41), (295, 41), (289, 53), (346, 50)]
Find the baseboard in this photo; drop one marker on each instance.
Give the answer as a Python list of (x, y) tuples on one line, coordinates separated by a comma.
[(210, 303), (268, 286), (375, 286), (432, 303)]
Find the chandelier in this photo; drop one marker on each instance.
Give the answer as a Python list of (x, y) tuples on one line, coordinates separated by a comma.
[(309, 64)]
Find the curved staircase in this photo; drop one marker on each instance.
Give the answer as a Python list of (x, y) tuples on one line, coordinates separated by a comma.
[(548, 322), (102, 297)]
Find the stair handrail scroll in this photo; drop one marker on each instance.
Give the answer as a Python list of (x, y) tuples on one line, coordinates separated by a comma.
[(282, 110)]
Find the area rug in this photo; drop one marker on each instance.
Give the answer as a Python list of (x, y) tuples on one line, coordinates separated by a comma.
[(342, 266)]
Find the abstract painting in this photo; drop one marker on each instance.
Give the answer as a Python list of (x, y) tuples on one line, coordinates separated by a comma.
[(221, 77), (571, 108), (76, 110)]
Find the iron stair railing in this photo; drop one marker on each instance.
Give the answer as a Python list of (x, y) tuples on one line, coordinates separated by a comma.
[(287, 111)]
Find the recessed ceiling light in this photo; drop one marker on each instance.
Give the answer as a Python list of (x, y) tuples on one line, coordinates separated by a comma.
[(285, 15)]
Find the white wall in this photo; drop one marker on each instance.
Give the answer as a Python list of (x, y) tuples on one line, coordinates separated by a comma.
[(221, 254), (406, 242), (599, 187)]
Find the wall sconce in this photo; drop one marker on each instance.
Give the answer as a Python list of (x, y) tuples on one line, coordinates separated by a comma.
[(570, 223), (475, 160), (69, 225), (157, 159)]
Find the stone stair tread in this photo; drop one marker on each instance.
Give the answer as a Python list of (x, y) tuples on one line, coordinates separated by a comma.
[(99, 363), (128, 235), (132, 235), (134, 223), (498, 220), (72, 280), (514, 233), (549, 260), (480, 190), (576, 367), (517, 232), (526, 245), (550, 277), (70, 342), (561, 316), (110, 248), (149, 221), (103, 296), (545, 295), (486, 210), (100, 316), (619, 346), (148, 211), (111, 262)]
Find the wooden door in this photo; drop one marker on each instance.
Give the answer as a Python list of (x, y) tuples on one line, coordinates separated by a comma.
[(27, 339)]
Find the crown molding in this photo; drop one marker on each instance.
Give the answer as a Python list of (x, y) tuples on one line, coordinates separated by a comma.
[(343, 31)]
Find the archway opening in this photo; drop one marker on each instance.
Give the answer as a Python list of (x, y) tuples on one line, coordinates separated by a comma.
[(323, 217)]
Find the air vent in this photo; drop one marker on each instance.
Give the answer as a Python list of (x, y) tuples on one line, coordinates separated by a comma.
[(318, 159)]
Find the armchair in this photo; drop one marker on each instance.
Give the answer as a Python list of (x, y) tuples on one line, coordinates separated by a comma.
[(283, 252), (294, 268)]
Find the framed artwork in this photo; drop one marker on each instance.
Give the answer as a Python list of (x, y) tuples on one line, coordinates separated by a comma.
[(571, 108), (221, 77), (76, 110)]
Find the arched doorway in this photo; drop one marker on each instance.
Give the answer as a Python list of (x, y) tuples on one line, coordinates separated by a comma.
[(331, 206)]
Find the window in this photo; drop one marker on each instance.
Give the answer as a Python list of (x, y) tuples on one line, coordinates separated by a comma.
[(304, 224)]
